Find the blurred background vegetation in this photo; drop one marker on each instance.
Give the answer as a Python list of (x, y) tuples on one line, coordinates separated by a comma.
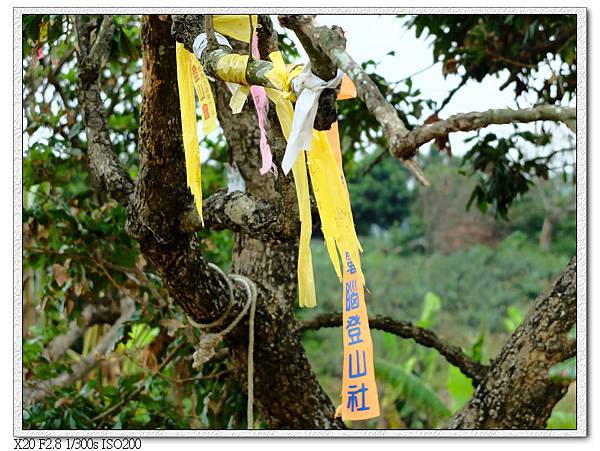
[(466, 257)]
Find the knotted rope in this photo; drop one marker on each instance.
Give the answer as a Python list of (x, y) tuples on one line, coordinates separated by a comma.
[(209, 341)]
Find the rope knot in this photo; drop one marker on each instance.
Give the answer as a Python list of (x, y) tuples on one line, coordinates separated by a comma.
[(209, 341)]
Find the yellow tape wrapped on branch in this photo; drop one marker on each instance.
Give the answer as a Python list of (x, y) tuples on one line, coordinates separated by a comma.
[(232, 68), (236, 26)]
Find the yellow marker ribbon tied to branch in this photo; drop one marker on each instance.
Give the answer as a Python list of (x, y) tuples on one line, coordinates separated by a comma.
[(187, 73), (285, 114), (359, 390)]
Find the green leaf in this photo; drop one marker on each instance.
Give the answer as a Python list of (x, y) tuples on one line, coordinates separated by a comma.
[(513, 320), (141, 416), (432, 304), (411, 388), (477, 348), (459, 387)]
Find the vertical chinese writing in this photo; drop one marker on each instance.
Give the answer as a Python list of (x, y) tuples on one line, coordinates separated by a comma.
[(359, 392)]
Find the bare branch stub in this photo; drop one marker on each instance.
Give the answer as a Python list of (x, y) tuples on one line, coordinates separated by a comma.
[(322, 67), (239, 212)]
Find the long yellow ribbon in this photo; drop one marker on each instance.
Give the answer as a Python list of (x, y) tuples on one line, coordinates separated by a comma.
[(187, 106), (285, 114)]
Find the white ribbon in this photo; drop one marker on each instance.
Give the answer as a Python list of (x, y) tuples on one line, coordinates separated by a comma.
[(309, 87), (201, 42)]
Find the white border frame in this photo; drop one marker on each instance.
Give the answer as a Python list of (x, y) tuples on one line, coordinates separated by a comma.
[(581, 163)]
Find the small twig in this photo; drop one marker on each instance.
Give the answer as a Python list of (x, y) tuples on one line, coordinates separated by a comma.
[(140, 387), (510, 61), (402, 80), (375, 161), (463, 81), (251, 37), (209, 29), (201, 378)]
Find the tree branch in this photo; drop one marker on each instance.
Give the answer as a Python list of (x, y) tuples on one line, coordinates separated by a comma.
[(322, 67), (333, 44), (517, 392), (405, 329), (43, 389), (239, 212), (103, 161), (101, 46), (92, 314), (472, 121), (185, 28)]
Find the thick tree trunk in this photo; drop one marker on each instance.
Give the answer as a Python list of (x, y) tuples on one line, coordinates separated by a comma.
[(286, 390), (517, 392)]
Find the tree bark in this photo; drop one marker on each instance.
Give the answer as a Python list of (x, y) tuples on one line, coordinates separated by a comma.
[(517, 392), (286, 390)]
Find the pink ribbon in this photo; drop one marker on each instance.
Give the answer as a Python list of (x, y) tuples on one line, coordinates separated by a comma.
[(261, 103)]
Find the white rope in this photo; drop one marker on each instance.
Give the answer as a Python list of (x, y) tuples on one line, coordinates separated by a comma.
[(208, 342)]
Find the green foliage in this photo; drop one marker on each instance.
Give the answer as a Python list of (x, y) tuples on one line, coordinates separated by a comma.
[(380, 198), (562, 420), (409, 388), (140, 336), (501, 178)]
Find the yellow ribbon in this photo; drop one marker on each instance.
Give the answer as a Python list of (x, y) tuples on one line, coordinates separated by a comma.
[(236, 26), (285, 114), (333, 204), (187, 106)]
